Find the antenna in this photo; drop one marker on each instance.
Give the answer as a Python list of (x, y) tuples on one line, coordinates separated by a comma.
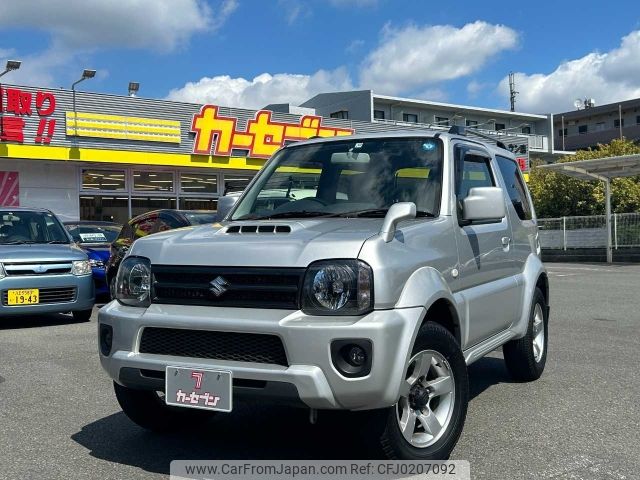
[(512, 91)]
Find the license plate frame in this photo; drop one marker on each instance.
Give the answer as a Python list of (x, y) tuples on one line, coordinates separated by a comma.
[(201, 388), (26, 294)]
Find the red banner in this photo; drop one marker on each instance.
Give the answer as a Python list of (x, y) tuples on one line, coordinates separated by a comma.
[(9, 189)]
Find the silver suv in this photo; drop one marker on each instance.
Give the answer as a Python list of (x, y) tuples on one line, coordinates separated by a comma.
[(360, 273)]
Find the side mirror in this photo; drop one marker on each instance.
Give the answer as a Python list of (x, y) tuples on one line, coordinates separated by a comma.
[(484, 203), (398, 212), (225, 204)]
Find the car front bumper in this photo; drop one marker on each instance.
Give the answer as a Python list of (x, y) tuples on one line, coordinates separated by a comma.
[(83, 299), (306, 339)]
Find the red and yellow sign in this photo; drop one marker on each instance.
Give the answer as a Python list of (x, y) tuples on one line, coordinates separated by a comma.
[(262, 137), (21, 104)]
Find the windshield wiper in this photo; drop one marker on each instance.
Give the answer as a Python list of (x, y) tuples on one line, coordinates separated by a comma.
[(381, 212), (300, 214), (18, 242), (57, 241)]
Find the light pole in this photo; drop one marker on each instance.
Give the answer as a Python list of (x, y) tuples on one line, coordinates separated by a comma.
[(86, 73), (11, 66), (133, 88)]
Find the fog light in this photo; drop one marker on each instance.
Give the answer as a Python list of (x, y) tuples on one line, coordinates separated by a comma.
[(352, 357), (106, 339), (357, 356)]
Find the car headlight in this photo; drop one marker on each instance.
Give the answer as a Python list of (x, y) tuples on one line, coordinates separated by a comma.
[(2, 274), (81, 267), (95, 263), (338, 287), (133, 282)]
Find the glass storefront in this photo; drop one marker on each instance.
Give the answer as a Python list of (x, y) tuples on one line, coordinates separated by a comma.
[(120, 194)]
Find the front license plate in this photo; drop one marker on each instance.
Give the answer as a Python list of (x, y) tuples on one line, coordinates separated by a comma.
[(196, 388), (29, 296)]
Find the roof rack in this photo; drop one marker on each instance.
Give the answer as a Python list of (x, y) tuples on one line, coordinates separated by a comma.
[(460, 130)]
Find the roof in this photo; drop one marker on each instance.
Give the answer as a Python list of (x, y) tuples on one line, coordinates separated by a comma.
[(438, 133), (25, 209), (461, 108), (598, 110), (598, 168)]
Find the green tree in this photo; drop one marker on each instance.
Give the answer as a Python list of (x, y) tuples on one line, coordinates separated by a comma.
[(557, 195)]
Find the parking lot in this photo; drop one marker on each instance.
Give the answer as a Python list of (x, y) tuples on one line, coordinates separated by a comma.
[(581, 420)]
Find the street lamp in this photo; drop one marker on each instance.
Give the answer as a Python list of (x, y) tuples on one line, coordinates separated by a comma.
[(133, 88), (11, 65), (86, 73)]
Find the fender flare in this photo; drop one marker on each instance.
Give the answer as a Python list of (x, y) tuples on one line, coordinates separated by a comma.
[(533, 270)]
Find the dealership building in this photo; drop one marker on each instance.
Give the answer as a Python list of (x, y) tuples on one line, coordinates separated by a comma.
[(109, 157)]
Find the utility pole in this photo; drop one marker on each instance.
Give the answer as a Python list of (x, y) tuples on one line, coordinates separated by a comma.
[(512, 91)]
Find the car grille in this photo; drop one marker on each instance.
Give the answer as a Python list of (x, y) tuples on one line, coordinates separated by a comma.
[(250, 287), (50, 268), (240, 347), (49, 295)]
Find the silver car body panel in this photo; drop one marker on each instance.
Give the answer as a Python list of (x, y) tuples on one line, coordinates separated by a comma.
[(489, 283)]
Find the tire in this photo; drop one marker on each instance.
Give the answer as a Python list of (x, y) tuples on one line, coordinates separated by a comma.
[(526, 357), (146, 409), (82, 315), (112, 288), (449, 409)]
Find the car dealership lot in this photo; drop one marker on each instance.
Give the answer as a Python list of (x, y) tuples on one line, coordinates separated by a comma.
[(59, 417)]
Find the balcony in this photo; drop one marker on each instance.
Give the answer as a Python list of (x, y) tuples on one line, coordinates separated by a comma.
[(537, 143)]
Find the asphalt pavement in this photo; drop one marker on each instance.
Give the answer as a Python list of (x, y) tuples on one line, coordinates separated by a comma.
[(581, 420)]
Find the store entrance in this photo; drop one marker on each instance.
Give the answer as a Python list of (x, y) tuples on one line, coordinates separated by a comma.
[(140, 205), (104, 208)]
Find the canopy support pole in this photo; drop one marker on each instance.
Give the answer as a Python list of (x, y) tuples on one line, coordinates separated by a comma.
[(607, 184)]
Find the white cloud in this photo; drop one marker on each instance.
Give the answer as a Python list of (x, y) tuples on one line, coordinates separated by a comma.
[(414, 57), (474, 88), (607, 77), (261, 90), (354, 46), (162, 25)]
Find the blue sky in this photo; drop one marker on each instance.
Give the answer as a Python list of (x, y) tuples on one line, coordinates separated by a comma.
[(213, 50)]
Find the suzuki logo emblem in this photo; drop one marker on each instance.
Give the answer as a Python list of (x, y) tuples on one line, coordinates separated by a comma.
[(218, 286)]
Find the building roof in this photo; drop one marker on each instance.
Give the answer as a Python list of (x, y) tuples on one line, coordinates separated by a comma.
[(460, 108), (598, 110), (598, 168)]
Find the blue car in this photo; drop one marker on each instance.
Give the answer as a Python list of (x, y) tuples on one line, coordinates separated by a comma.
[(95, 239)]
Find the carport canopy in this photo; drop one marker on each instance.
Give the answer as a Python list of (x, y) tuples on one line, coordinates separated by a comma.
[(603, 169)]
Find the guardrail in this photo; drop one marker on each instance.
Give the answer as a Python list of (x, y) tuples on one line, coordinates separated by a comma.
[(589, 231)]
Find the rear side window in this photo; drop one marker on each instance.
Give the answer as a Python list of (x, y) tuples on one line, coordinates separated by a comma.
[(515, 187)]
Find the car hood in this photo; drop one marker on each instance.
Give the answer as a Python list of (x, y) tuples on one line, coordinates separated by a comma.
[(98, 252), (307, 241), (40, 253)]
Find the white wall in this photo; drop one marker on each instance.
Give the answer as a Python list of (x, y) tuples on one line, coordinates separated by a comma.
[(52, 185)]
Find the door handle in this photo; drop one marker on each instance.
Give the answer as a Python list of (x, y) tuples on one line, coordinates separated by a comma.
[(505, 241)]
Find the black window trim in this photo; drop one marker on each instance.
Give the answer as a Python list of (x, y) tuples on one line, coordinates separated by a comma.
[(524, 184), (461, 149)]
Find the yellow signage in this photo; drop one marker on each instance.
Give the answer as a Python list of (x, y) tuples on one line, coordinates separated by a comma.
[(261, 138), (122, 127)]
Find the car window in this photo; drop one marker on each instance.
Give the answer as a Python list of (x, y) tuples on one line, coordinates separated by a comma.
[(126, 234), (144, 226), (18, 227), (201, 218), (515, 187), (475, 172), (167, 222), (93, 234)]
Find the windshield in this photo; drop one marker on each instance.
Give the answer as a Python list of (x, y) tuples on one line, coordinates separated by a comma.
[(200, 218), (93, 234), (347, 178), (20, 227)]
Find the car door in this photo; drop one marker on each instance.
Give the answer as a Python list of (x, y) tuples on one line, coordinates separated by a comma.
[(487, 282)]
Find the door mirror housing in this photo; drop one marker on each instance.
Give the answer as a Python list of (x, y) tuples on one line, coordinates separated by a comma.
[(483, 204), (225, 204)]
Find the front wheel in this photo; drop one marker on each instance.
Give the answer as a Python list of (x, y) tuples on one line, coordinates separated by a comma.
[(147, 409), (428, 419), (82, 315)]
